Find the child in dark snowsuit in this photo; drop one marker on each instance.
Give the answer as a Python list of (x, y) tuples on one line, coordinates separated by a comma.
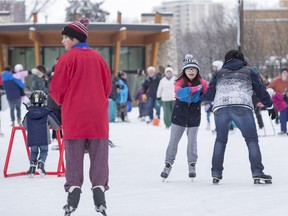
[(36, 122)]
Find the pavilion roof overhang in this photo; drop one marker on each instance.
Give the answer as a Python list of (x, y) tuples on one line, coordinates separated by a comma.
[(100, 34)]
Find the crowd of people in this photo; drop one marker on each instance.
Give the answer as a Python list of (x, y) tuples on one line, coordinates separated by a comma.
[(235, 93)]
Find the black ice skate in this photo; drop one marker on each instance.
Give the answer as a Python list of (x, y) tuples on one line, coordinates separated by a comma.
[(216, 179), (166, 171), (262, 179), (99, 199), (32, 169), (72, 200), (192, 170), (40, 167)]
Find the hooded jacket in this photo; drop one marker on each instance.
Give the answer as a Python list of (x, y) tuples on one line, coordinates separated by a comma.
[(36, 122), (234, 85), (12, 86)]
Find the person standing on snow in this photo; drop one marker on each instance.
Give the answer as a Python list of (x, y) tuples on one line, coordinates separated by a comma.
[(14, 89), (81, 85), (151, 83), (166, 94), (37, 121), (231, 89)]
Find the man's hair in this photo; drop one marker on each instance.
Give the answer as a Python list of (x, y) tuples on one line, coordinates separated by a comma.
[(234, 54)]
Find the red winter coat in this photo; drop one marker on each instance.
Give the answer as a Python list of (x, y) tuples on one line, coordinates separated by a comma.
[(82, 84)]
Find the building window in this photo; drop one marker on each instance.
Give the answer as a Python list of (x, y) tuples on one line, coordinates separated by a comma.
[(105, 52), (131, 58), (49, 56), (21, 55)]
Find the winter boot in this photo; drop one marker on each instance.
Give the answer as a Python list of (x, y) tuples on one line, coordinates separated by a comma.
[(192, 170), (99, 199), (40, 167), (126, 119), (72, 200), (148, 120), (166, 171), (32, 168), (118, 120), (19, 121)]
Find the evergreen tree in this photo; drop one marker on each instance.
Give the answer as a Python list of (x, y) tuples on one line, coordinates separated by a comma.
[(86, 8)]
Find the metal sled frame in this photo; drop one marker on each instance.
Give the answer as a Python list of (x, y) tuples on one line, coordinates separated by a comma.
[(60, 169)]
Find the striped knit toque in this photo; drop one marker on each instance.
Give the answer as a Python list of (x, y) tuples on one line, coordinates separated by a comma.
[(77, 29)]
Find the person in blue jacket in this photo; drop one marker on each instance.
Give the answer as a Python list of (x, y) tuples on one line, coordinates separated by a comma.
[(37, 121), (121, 100), (13, 88)]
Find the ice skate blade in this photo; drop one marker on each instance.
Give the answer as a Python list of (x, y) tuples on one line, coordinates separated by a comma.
[(192, 179), (101, 210), (164, 179), (103, 213), (216, 180), (67, 213), (262, 181), (42, 174)]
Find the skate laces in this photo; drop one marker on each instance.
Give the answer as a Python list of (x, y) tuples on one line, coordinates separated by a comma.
[(68, 208), (100, 208), (192, 168), (167, 168)]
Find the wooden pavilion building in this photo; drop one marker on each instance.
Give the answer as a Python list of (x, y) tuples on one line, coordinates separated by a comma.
[(125, 47)]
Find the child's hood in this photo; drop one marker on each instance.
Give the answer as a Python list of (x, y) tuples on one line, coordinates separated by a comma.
[(38, 112)]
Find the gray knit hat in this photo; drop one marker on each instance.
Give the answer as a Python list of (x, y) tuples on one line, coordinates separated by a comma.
[(189, 61)]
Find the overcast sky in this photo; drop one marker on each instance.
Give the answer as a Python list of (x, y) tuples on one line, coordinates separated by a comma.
[(131, 10)]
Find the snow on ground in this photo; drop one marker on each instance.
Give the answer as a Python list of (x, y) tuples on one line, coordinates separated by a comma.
[(136, 188)]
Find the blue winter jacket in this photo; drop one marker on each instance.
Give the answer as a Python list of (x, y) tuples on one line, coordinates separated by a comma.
[(36, 122), (12, 86), (185, 95), (122, 95)]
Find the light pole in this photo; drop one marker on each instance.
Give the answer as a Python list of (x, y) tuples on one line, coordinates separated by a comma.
[(240, 26)]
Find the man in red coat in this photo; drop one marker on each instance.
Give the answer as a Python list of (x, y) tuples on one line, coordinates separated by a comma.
[(81, 85)]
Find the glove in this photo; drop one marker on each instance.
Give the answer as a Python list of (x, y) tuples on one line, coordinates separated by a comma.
[(259, 104), (159, 101), (195, 88), (144, 97), (207, 107), (272, 113), (119, 86)]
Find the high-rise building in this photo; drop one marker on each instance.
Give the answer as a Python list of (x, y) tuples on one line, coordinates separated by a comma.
[(12, 11), (190, 13)]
